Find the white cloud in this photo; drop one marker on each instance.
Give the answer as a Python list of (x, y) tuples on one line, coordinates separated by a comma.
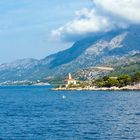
[(105, 16), (86, 22), (125, 9)]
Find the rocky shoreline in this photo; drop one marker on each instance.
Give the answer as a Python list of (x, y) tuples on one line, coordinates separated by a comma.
[(128, 88)]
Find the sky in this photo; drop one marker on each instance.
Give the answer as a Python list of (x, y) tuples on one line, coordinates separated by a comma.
[(26, 26), (37, 28)]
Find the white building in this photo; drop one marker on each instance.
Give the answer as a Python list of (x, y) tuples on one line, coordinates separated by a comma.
[(70, 80)]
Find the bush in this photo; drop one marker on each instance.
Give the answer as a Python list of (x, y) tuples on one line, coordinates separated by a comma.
[(112, 82), (124, 80), (136, 78)]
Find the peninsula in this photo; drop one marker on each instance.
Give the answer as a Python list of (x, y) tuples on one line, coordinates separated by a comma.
[(122, 82)]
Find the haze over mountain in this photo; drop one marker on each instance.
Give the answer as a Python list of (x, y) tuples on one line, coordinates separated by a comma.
[(97, 50)]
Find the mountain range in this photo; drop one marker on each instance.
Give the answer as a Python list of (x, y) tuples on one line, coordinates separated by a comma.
[(114, 49)]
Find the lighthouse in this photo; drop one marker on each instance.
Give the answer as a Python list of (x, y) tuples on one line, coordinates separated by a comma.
[(69, 80)]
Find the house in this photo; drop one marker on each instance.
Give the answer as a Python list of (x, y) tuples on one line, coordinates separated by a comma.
[(70, 80)]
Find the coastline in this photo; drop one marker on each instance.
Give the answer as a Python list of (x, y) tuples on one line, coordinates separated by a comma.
[(126, 88)]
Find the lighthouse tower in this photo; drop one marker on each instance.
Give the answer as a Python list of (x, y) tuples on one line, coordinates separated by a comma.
[(70, 77), (70, 80)]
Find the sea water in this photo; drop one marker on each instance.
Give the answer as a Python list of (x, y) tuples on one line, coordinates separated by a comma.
[(38, 113)]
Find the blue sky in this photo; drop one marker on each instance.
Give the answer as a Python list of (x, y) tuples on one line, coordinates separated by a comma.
[(37, 28), (26, 25)]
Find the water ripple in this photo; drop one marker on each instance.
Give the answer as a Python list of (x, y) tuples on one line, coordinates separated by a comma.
[(40, 114)]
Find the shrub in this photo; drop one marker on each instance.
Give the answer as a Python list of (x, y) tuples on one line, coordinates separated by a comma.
[(112, 82)]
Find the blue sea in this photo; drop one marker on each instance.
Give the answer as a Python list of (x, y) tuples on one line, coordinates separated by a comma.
[(37, 113)]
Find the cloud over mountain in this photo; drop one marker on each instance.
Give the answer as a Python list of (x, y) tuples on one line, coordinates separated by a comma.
[(86, 22), (126, 9), (106, 15)]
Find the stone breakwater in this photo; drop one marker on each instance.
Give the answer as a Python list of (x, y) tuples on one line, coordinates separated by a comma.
[(93, 88)]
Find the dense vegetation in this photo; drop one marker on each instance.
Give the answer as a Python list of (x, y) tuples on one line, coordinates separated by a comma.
[(108, 81), (120, 81), (130, 69)]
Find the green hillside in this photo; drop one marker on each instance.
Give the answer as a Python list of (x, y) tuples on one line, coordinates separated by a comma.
[(130, 69)]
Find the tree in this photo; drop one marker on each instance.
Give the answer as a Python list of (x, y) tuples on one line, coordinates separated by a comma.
[(99, 82), (136, 78), (124, 80), (105, 78), (112, 82)]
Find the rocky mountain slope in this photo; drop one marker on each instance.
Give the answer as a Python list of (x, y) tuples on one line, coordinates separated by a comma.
[(126, 65), (92, 73), (101, 50)]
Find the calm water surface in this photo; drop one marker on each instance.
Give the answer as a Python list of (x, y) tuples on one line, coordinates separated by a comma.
[(37, 113)]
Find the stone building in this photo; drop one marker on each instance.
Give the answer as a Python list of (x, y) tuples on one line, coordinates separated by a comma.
[(70, 80)]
